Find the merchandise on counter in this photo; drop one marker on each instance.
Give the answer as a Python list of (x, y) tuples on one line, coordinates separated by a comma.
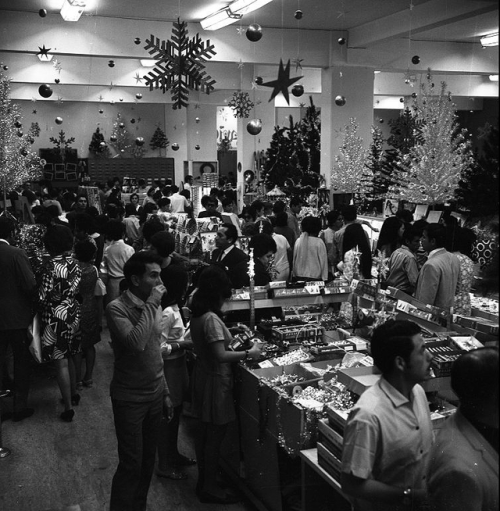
[(292, 358)]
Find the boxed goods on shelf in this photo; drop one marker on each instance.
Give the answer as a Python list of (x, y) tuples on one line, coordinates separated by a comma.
[(329, 462), (297, 334), (330, 438), (465, 342)]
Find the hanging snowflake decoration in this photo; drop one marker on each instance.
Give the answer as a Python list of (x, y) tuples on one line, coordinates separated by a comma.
[(180, 65), (241, 104)]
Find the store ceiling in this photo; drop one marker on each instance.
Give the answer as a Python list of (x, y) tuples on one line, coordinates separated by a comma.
[(459, 20)]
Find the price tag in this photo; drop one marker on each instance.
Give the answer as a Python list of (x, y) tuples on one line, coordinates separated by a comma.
[(265, 364)]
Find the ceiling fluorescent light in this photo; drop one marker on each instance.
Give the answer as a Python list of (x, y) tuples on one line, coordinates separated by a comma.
[(148, 62), (220, 19), (246, 6), (72, 9), (489, 40), (493, 78)]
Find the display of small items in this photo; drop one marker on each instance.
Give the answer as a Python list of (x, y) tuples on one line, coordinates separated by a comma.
[(292, 357)]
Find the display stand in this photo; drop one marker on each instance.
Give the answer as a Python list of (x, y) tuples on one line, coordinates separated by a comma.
[(319, 488)]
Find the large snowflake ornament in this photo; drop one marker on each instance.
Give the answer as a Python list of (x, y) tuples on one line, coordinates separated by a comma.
[(241, 104), (180, 65)]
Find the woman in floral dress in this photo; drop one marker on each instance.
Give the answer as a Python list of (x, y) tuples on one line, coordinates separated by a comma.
[(461, 246), (60, 312)]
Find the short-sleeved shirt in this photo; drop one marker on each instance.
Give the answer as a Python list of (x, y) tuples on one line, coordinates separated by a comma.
[(403, 270), (388, 439)]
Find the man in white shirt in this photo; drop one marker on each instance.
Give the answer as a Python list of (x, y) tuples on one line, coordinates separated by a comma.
[(178, 203), (388, 436)]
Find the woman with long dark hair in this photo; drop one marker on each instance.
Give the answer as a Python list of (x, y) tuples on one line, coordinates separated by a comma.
[(212, 379), (355, 239), (391, 236)]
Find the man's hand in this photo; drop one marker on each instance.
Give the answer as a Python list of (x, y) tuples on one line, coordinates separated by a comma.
[(168, 408), (157, 293)]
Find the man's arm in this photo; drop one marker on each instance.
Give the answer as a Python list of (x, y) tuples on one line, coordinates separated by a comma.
[(427, 285), (376, 491)]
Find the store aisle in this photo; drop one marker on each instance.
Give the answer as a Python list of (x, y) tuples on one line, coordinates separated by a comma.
[(56, 466)]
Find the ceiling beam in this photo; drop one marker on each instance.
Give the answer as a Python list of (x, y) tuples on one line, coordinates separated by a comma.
[(422, 17)]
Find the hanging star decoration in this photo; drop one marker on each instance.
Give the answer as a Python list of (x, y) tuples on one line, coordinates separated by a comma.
[(282, 83), (59, 100), (240, 64), (197, 106), (241, 30), (241, 104), (44, 52), (180, 65), (33, 99), (34, 112), (111, 85), (302, 105), (253, 85), (100, 98), (138, 79), (297, 63)]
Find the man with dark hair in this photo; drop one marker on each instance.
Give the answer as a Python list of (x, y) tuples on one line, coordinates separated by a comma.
[(178, 202), (16, 294), (463, 471), (210, 204), (388, 435), (139, 392), (164, 209), (293, 220), (403, 269), (437, 281), (230, 257)]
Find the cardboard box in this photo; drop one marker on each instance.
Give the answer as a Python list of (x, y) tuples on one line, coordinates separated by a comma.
[(328, 461), (328, 434)]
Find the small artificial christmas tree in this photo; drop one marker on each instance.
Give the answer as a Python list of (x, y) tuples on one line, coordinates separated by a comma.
[(159, 140), (479, 184), (119, 138), (98, 146), (17, 162), (351, 173), (429, 173), (286, 160)]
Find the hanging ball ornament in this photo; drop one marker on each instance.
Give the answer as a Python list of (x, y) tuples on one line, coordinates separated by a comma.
[(401, 100), (111, 63), (341, 40), (381, 121), (101, 111), (254, 127), (137, 40), (254, 32), (175, 146), (18, 124), (20, 133), (197, 147), (31, 140), (259, 80), (23, 151), (121, 99), (413, 95), (122, 150), (415, 59), (139, 141), (197, 120), (5, 68), (138, 95), (113, 138), (45, 91), (103, 144), (57, 80), (59, 120), (132, 121), (340, 100), (298, 14), (121, 125), (298, 90), (42, 13)]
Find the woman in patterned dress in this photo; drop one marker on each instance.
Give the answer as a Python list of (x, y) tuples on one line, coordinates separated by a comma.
[(60, 312)]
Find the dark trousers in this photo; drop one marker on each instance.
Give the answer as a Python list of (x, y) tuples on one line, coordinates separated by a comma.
[(18, 339), (137, 426), (168, 453)]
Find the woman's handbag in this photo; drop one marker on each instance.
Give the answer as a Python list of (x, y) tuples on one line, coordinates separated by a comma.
[(100, 287), (34, 332)]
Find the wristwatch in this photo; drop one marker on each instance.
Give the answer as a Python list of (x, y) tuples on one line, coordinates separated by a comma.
[(407, 497)]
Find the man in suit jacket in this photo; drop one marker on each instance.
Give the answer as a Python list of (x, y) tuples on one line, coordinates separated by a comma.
[(463, 472), (16, 294), (230, 257), (437, 281)]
